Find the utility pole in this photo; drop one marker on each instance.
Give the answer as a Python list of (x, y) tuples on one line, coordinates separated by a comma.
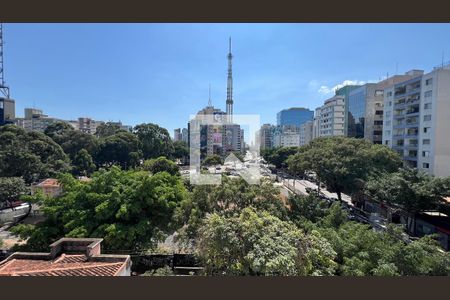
[(3, 88)]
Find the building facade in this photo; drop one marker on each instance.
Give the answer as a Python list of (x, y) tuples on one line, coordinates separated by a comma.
[(331, 117), (265, 135), (365, 108), (306, 133), (7, 111), (177, 134), (294, 116), (417, 121), (286, 136), (345, 92), (35, 120)]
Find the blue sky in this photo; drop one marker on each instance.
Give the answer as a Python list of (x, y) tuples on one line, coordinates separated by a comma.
[(160, 73)]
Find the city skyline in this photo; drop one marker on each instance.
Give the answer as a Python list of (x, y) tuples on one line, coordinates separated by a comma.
[(151, 69)]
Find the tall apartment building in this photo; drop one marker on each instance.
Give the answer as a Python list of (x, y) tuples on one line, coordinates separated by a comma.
[(294, 116), (316, 123), (345, 92), (365, 108), (265, 136), (185, 135), (35, 120), (417, 120), (306, 133), (177, 134), (7, 111), (330, 118)]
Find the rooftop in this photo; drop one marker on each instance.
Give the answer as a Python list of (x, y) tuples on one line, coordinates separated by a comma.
[(68, 257), (49, 182)]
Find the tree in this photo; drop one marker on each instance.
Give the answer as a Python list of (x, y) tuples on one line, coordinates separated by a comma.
[(11, 188), (161, 164), (413, 190), (58, 131), (83, 163), (30, 155), (121, 149), (108, 129), (279, 156), (76, 140), (306, 207), (181, 150), (228, 198), (129, 210), (257, 243), (339, 162), (213, 160), (155, 141)]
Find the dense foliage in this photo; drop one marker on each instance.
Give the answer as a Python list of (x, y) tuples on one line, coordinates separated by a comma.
[(340, 162), (30, 155), (130, 210)]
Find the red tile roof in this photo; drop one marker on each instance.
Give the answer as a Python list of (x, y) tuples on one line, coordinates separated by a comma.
[(49, 182), (65, 265), (68, 257)]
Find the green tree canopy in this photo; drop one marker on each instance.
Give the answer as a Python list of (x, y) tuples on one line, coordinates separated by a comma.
[(108, 129), (11, 188), (121, 149), (155, 141), (83, 163), (59, 131), (181, 149), (30, 155), (279, 156), (160, 164), (130, 210), (340, 162), (414, 190), (257, 243), (213, 160)]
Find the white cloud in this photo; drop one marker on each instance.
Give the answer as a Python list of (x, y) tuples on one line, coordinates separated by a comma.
[(324, 90), (327, 90)]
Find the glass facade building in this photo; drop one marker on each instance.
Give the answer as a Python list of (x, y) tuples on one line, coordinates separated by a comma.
[(295, 116), (356, 112)]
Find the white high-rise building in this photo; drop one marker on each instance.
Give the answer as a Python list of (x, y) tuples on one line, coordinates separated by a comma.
[(417, 121), (330, 118)]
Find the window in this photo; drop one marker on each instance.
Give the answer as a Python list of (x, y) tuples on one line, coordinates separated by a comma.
[(428, 94), (388, 114), (427, 106), (378, 123), (386, 142), (388, 123), (388, 132), (425, 153), (389, 94), (390, 103), (426, 142), (427, 118), (379, 112), (379, 93), (1, 104), (426, 165), (429, 81), (426, 129)]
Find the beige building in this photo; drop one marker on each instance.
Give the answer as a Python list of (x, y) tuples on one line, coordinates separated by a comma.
[(417, 121), (306, 133), (330, 118), (50, 187)]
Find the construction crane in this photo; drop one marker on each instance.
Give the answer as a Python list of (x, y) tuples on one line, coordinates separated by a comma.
[(4, 90)]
